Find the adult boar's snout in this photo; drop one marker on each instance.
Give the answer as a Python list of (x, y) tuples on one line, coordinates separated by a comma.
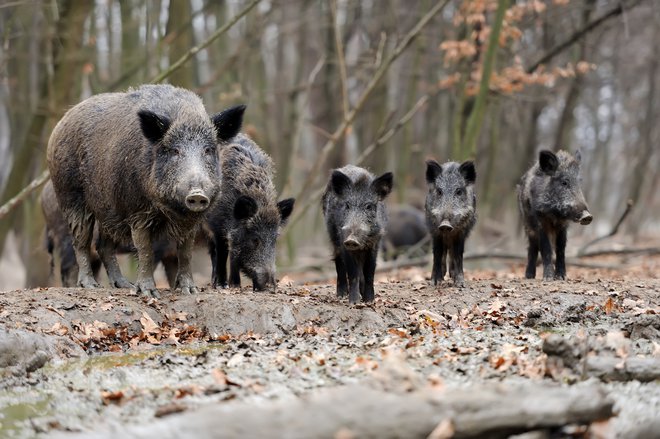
[(197, 201), (352, 243)]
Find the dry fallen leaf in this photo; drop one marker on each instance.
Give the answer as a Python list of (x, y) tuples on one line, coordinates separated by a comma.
[(112, 397), (148, 324)]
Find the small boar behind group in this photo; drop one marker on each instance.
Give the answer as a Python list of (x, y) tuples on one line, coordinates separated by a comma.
[(355, 218), (549, 197), (143, 165), (247, 219)]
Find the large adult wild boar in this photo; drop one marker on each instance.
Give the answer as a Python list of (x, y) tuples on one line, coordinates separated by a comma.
[(144, 165)]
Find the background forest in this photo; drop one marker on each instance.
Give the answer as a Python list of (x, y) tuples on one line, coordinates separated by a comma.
[(384, 84)]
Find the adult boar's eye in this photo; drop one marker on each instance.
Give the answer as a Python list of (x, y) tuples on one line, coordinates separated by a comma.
[(347, 206), (459, 192), (439, 191), (564, 183), (371, 207), (209, 150)]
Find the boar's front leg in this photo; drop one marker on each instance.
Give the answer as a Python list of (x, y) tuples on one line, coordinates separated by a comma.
[(353, 271), (342, 282), (560, 250), (107, 252), (457, 248), (219, 258), (184, 280), (81, 224), (546, 256), (145, 284), (439, 260), (369, 268)]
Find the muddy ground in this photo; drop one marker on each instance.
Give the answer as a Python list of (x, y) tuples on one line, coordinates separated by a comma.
[(112, 360)]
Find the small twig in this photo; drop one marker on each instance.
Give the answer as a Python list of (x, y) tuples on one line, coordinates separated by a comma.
[(24, 193), (618, 10), (192, 52), (371, 86), (316, 195), (615, 229)]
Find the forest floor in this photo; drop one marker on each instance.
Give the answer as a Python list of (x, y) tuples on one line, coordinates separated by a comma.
[(114, 362)]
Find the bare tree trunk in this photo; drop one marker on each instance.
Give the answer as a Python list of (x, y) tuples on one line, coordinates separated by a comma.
[(182, 40), (60, 91)]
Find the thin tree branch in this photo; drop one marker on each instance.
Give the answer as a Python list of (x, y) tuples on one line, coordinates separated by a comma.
[(192, 52), (615, 229), (618, 10), (348, 119), (315, 196), (23, 194)]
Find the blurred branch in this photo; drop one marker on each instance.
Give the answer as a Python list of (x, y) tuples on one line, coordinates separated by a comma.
[(348, 119), (24, 193), (341, 60), (300, 122), (615, 229), (192, 52), (618, 10), (314, 197)]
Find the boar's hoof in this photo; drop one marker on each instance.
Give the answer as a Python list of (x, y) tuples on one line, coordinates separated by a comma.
[(87, 282), (459, 283), (188, 290), (560, 276), (185, 285), (121, 283), (147, 288)]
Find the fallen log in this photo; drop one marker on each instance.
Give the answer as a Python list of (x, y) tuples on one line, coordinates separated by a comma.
[(364, 412), (576, 357)]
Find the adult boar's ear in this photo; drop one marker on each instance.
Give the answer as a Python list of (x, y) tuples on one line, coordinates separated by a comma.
[(383, 184), (578, 156), (339, 182), (153, 126), (285, 207), (228, 122), (433, 169), (244, 208), (548, 161), (468, 171)]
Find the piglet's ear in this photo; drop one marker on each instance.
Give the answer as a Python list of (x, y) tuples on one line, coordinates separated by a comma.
[(383, 184), (548, 161), (228, 122), (153, 126), (285, 207), (468, 172), (244, 208), (339, 182), (433, 169)]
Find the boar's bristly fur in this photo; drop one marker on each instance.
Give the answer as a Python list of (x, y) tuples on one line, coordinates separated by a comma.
[(247, 219), (549, 197), (355, 217), (450, 215), (144, 165)]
